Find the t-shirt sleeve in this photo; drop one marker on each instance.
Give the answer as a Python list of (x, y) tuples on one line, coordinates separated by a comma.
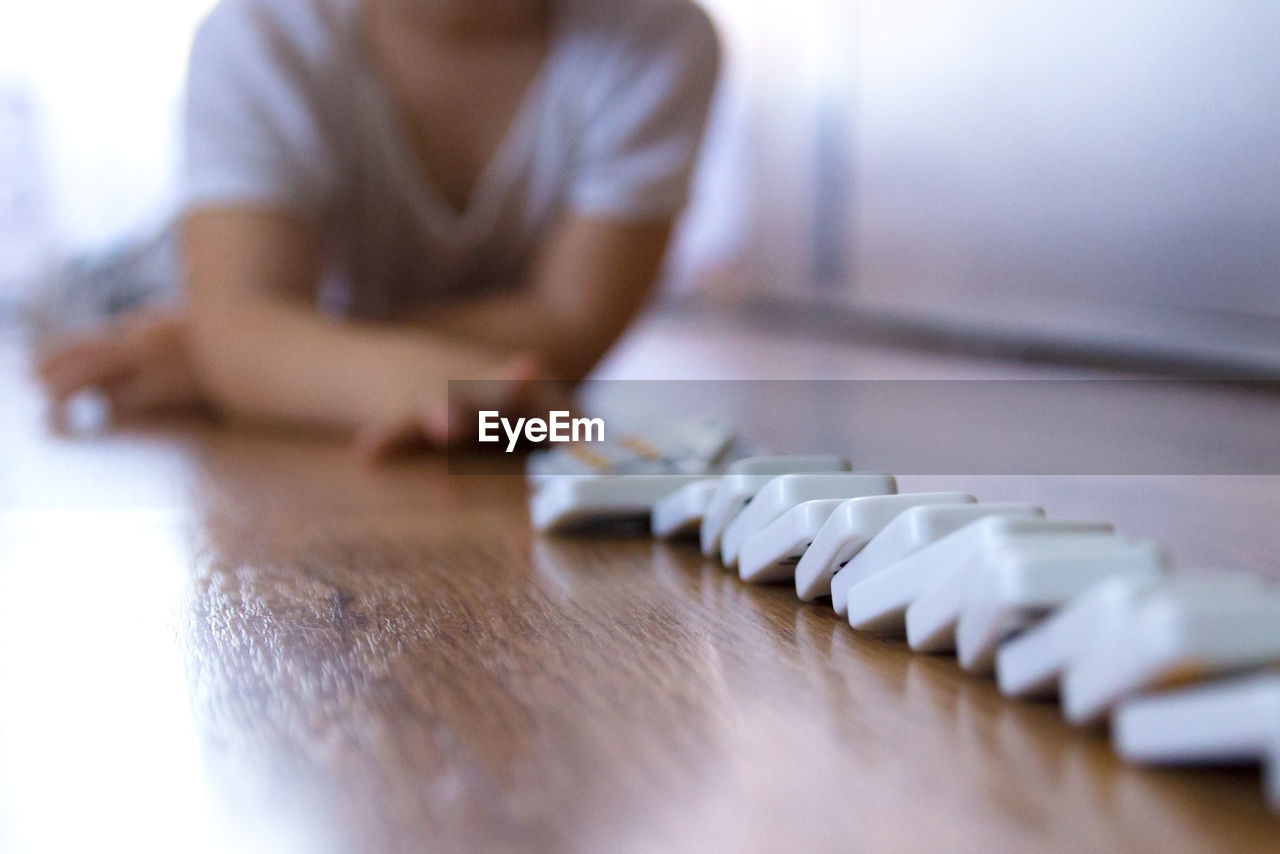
[(251, 132), (646, 115)]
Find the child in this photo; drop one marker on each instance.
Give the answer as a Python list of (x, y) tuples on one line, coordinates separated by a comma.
[(382, 195)]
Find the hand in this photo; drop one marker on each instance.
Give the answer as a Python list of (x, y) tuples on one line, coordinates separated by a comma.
[(139, 363), (436, 421)]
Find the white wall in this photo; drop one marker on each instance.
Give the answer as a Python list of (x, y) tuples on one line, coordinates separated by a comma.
[(1070, 169), (88, 91)]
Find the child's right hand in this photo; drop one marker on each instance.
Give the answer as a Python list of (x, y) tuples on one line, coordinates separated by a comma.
[(139, 362)]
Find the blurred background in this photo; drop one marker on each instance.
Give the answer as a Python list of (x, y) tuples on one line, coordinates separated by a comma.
[(1077, 180)]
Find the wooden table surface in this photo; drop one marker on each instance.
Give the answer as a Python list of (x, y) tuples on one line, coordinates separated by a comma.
[(218, 640)]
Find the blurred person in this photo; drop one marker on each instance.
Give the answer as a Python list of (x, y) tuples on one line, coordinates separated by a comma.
[(382, 195)]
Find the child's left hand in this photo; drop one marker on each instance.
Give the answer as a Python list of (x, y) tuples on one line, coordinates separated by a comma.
[(514, 385)]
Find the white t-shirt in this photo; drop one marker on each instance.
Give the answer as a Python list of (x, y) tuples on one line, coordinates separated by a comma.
[(284, 110)]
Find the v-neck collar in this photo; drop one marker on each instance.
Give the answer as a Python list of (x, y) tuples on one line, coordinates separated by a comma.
[(483, 200)]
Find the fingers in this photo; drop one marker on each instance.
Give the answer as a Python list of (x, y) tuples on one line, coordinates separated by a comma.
[(511, 385), (521, 369), (376, 443), (528, 390), (139, 394), (507, 386), (373, 443), (91, 361), (138, 361), (441, 426)]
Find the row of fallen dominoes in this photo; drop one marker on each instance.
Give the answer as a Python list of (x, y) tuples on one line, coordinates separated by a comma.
[(1049, 606)]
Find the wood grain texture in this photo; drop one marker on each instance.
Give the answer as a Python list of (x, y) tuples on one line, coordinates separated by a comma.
[(226, 641)]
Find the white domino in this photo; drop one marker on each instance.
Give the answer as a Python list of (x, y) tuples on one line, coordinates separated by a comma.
[(879, 603), (933, 618), (786, 491), (1234, 720), (770, 554), (910, 531), (743, 479), (1024, 583), (1172, 634), (680, 513), (850, 529), (575, 502), (1050, 605), (1031, 664)]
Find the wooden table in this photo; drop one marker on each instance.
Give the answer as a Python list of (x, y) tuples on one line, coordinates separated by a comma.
[(218, 640)]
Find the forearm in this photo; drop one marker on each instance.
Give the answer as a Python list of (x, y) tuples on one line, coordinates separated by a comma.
[(566, 346), (588, 284), (269, 359), (260, 349)]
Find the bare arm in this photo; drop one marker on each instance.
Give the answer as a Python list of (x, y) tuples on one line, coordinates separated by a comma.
[(261, 350), (586, 286), (251, 343)]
